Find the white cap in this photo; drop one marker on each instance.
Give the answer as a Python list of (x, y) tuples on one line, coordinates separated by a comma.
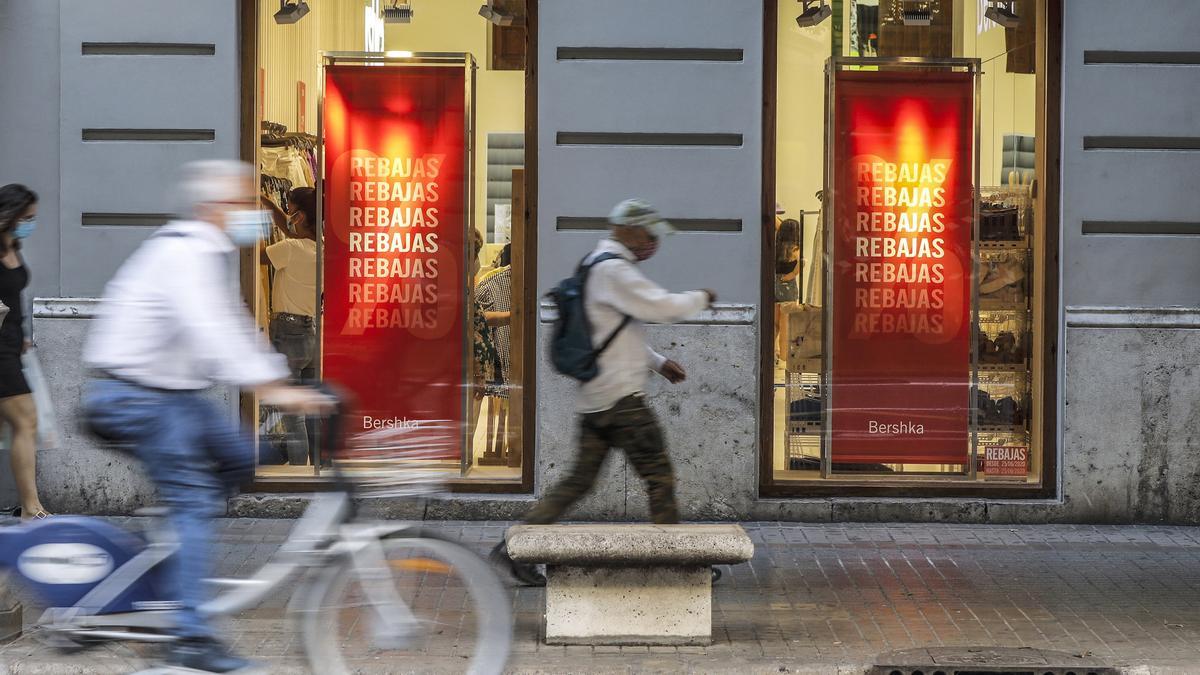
[(639, 213)]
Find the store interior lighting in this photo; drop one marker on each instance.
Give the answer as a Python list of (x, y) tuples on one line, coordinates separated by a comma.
[(291, 12), (398, 12), (1003, 12), (498, 17), (917, 14), (815, 11)]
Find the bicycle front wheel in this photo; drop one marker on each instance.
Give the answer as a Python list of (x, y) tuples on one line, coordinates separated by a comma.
[(451, 606)]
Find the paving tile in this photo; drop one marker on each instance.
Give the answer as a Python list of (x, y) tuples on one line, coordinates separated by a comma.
[(820, 593)]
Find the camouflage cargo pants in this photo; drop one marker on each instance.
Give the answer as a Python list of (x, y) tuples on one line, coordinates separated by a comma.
[(631, 426)]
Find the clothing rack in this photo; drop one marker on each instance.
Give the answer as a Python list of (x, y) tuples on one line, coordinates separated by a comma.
[(296, 140), (276, 135), (275, 184), (269, 128)]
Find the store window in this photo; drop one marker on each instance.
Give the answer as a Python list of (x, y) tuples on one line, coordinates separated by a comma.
[(392, 147), (909, 342)]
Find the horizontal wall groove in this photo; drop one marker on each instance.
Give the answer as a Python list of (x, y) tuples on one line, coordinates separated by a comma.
[(1154, 143), (98, 219), (1140, 58), (648, 138), (1132, 317), (720, 314), (149, 49), (649, 54), (1141, 227), (66, 308), (600, 223), (150, 135)]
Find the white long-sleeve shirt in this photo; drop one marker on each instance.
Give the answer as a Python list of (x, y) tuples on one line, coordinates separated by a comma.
[(170, 318), (616, 289)]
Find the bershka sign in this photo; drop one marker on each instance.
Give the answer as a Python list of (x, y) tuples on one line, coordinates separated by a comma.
[(394, 279), (1006, 461), (903, 168)]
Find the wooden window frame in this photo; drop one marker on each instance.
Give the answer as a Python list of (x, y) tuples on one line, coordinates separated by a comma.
[(1047, 219), (248, 26)]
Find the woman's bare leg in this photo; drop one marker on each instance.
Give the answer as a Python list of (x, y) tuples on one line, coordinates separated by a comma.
[(21, 414)]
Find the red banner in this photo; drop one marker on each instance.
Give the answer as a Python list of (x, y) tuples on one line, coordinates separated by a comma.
[(394, 274), (902, 216)]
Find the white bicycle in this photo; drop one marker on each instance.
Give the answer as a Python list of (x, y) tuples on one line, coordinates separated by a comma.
[(360, 591)]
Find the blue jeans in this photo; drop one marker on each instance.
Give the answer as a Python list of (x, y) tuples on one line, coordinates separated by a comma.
[(295, 337), (196, 456)]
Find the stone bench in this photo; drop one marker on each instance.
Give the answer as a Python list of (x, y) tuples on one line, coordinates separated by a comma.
[(623, 584)]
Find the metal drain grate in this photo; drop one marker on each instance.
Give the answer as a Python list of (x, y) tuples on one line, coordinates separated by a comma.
[(986, 661)]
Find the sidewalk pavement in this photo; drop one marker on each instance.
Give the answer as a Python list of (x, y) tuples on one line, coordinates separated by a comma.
[(814, 599)]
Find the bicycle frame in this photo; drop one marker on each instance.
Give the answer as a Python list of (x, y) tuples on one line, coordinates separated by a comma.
[(325, 531)]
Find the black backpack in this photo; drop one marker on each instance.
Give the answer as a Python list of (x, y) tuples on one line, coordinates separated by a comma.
[(571, 349)]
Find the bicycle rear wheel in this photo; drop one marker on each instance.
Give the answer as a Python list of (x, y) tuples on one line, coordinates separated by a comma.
[(460, 607)]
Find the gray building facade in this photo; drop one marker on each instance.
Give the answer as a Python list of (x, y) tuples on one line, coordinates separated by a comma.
[(96, 135)]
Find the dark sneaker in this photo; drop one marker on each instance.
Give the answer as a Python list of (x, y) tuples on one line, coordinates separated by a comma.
[(524, 573), (207, 656)]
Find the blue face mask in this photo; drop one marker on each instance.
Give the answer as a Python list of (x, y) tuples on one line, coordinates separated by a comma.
[(247, 227), (24, 228)]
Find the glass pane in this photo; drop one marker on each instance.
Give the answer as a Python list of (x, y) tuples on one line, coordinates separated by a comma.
[(486, 257), (1003, 265)]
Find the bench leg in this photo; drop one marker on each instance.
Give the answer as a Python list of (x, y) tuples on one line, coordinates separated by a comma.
[(628, 605)]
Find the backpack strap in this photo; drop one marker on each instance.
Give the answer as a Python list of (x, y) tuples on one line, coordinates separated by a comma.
[(584, 269), (613, 336)]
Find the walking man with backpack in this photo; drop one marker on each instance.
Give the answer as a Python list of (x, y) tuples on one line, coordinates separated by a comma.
[(600, 340)]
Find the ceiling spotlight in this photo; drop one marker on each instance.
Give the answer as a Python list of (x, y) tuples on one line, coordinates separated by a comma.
[(815, 11), (1003, 12), (398, 13), (500, 18), (291, 12), (917, 14)]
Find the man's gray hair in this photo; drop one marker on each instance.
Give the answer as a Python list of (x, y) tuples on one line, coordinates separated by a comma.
[(209, 181)]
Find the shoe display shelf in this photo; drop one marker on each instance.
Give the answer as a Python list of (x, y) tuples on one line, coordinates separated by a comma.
[(1004, 279), (1002, 403), (805, 412), (805, 401), (1003, 341)]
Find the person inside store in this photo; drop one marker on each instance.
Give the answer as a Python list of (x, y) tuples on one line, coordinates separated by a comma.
[(787, 277), (613, 408), (485, 364), (494, 292), (169, 328), (294, 301), (18, 220)]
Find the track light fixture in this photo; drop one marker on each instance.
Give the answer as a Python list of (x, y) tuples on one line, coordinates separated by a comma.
[(917, 13), (815, 11), (398, 13), (291, 12), (1003, 12), (500, 18)]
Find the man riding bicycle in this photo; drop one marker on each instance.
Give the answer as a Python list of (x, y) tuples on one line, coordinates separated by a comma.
[(169, 328)]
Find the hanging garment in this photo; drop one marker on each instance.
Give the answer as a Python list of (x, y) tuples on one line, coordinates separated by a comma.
[(495, 295), (285, 162)]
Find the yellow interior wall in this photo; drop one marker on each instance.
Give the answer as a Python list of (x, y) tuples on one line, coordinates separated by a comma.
[(800, 129), (290, 53), (1008, 101), (455, 26)]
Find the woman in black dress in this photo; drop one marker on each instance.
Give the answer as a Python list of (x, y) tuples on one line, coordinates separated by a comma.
[(18, 209)]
